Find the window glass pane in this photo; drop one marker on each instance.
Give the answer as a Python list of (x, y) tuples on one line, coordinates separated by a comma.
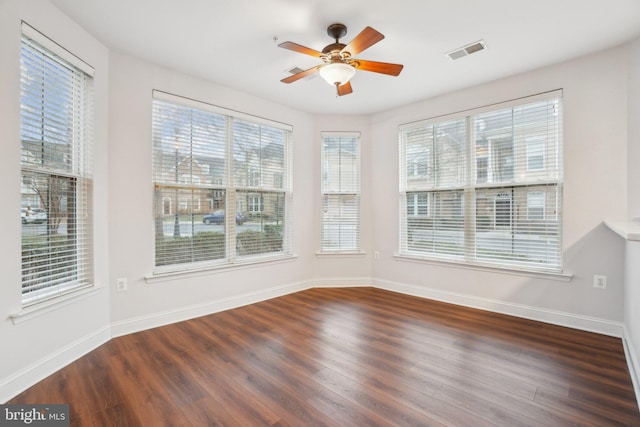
[(260, 222), (418, 156), (47, 105), (494, 140), (435, 223), (189, 145), (258, 155), (340, 222), (186, 231), (341, 165), (511, 227), (49, 247), (449, 154)]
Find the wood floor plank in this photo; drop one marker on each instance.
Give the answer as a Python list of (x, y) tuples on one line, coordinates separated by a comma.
[(349, 357)]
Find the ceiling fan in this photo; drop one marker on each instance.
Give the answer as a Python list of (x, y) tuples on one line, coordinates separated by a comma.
[(339, 64)]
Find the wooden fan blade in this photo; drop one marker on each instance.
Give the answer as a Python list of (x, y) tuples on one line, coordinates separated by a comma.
[(345, 89), (378, 67), (301, 49), (367, 38), (300, 75)]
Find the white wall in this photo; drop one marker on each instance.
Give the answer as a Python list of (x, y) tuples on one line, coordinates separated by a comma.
[(632, 266), (147, 304), (38, 345), (595, 188)]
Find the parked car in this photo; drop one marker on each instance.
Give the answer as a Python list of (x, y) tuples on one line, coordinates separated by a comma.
[(40, 215), (36, 215), (217, 217)]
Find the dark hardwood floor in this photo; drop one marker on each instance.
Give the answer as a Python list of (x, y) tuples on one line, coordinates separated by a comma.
[(349, 357)]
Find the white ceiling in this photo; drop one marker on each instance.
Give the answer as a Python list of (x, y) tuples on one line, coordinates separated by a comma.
[(231, 42)]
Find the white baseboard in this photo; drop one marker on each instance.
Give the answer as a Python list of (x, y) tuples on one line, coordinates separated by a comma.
[(632, 362), (346, 282), (575, 321), (30, 375), (154, 320)]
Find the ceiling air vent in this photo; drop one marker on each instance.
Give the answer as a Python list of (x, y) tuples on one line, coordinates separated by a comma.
[(467, 50), (296, 70)]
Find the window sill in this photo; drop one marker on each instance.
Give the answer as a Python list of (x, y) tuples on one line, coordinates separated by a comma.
[(164, 276), (46, 306), (341, 254), (562, 277), (628, 230)]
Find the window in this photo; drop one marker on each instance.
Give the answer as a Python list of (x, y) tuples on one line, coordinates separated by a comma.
[(340, 192), (535, 205), (494, 178), (535, 153), (56, 112), (212, 165), (255, 203)]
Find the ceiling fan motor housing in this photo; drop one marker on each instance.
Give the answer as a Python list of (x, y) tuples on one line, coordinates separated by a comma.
[(337, 31), (333, 52)]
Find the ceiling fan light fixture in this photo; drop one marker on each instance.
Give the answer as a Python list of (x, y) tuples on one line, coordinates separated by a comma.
[(337, 73), (339, 64)]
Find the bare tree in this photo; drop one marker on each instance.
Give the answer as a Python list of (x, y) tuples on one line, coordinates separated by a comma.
[(55, 193)]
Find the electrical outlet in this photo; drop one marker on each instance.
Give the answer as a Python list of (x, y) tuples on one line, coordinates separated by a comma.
[(121, 284), (599, 281), (376, 254)]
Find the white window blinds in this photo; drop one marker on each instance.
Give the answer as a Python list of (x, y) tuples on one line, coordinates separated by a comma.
[(340, 192), (56, 107), (485, 187), (221, 185)]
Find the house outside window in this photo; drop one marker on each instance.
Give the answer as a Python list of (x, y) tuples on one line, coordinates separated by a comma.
[(56, 137), (495, 179)]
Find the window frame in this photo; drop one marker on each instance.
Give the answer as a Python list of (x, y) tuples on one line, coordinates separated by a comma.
[(72, 248), (475, 187), (348, 195), (229, 192)]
